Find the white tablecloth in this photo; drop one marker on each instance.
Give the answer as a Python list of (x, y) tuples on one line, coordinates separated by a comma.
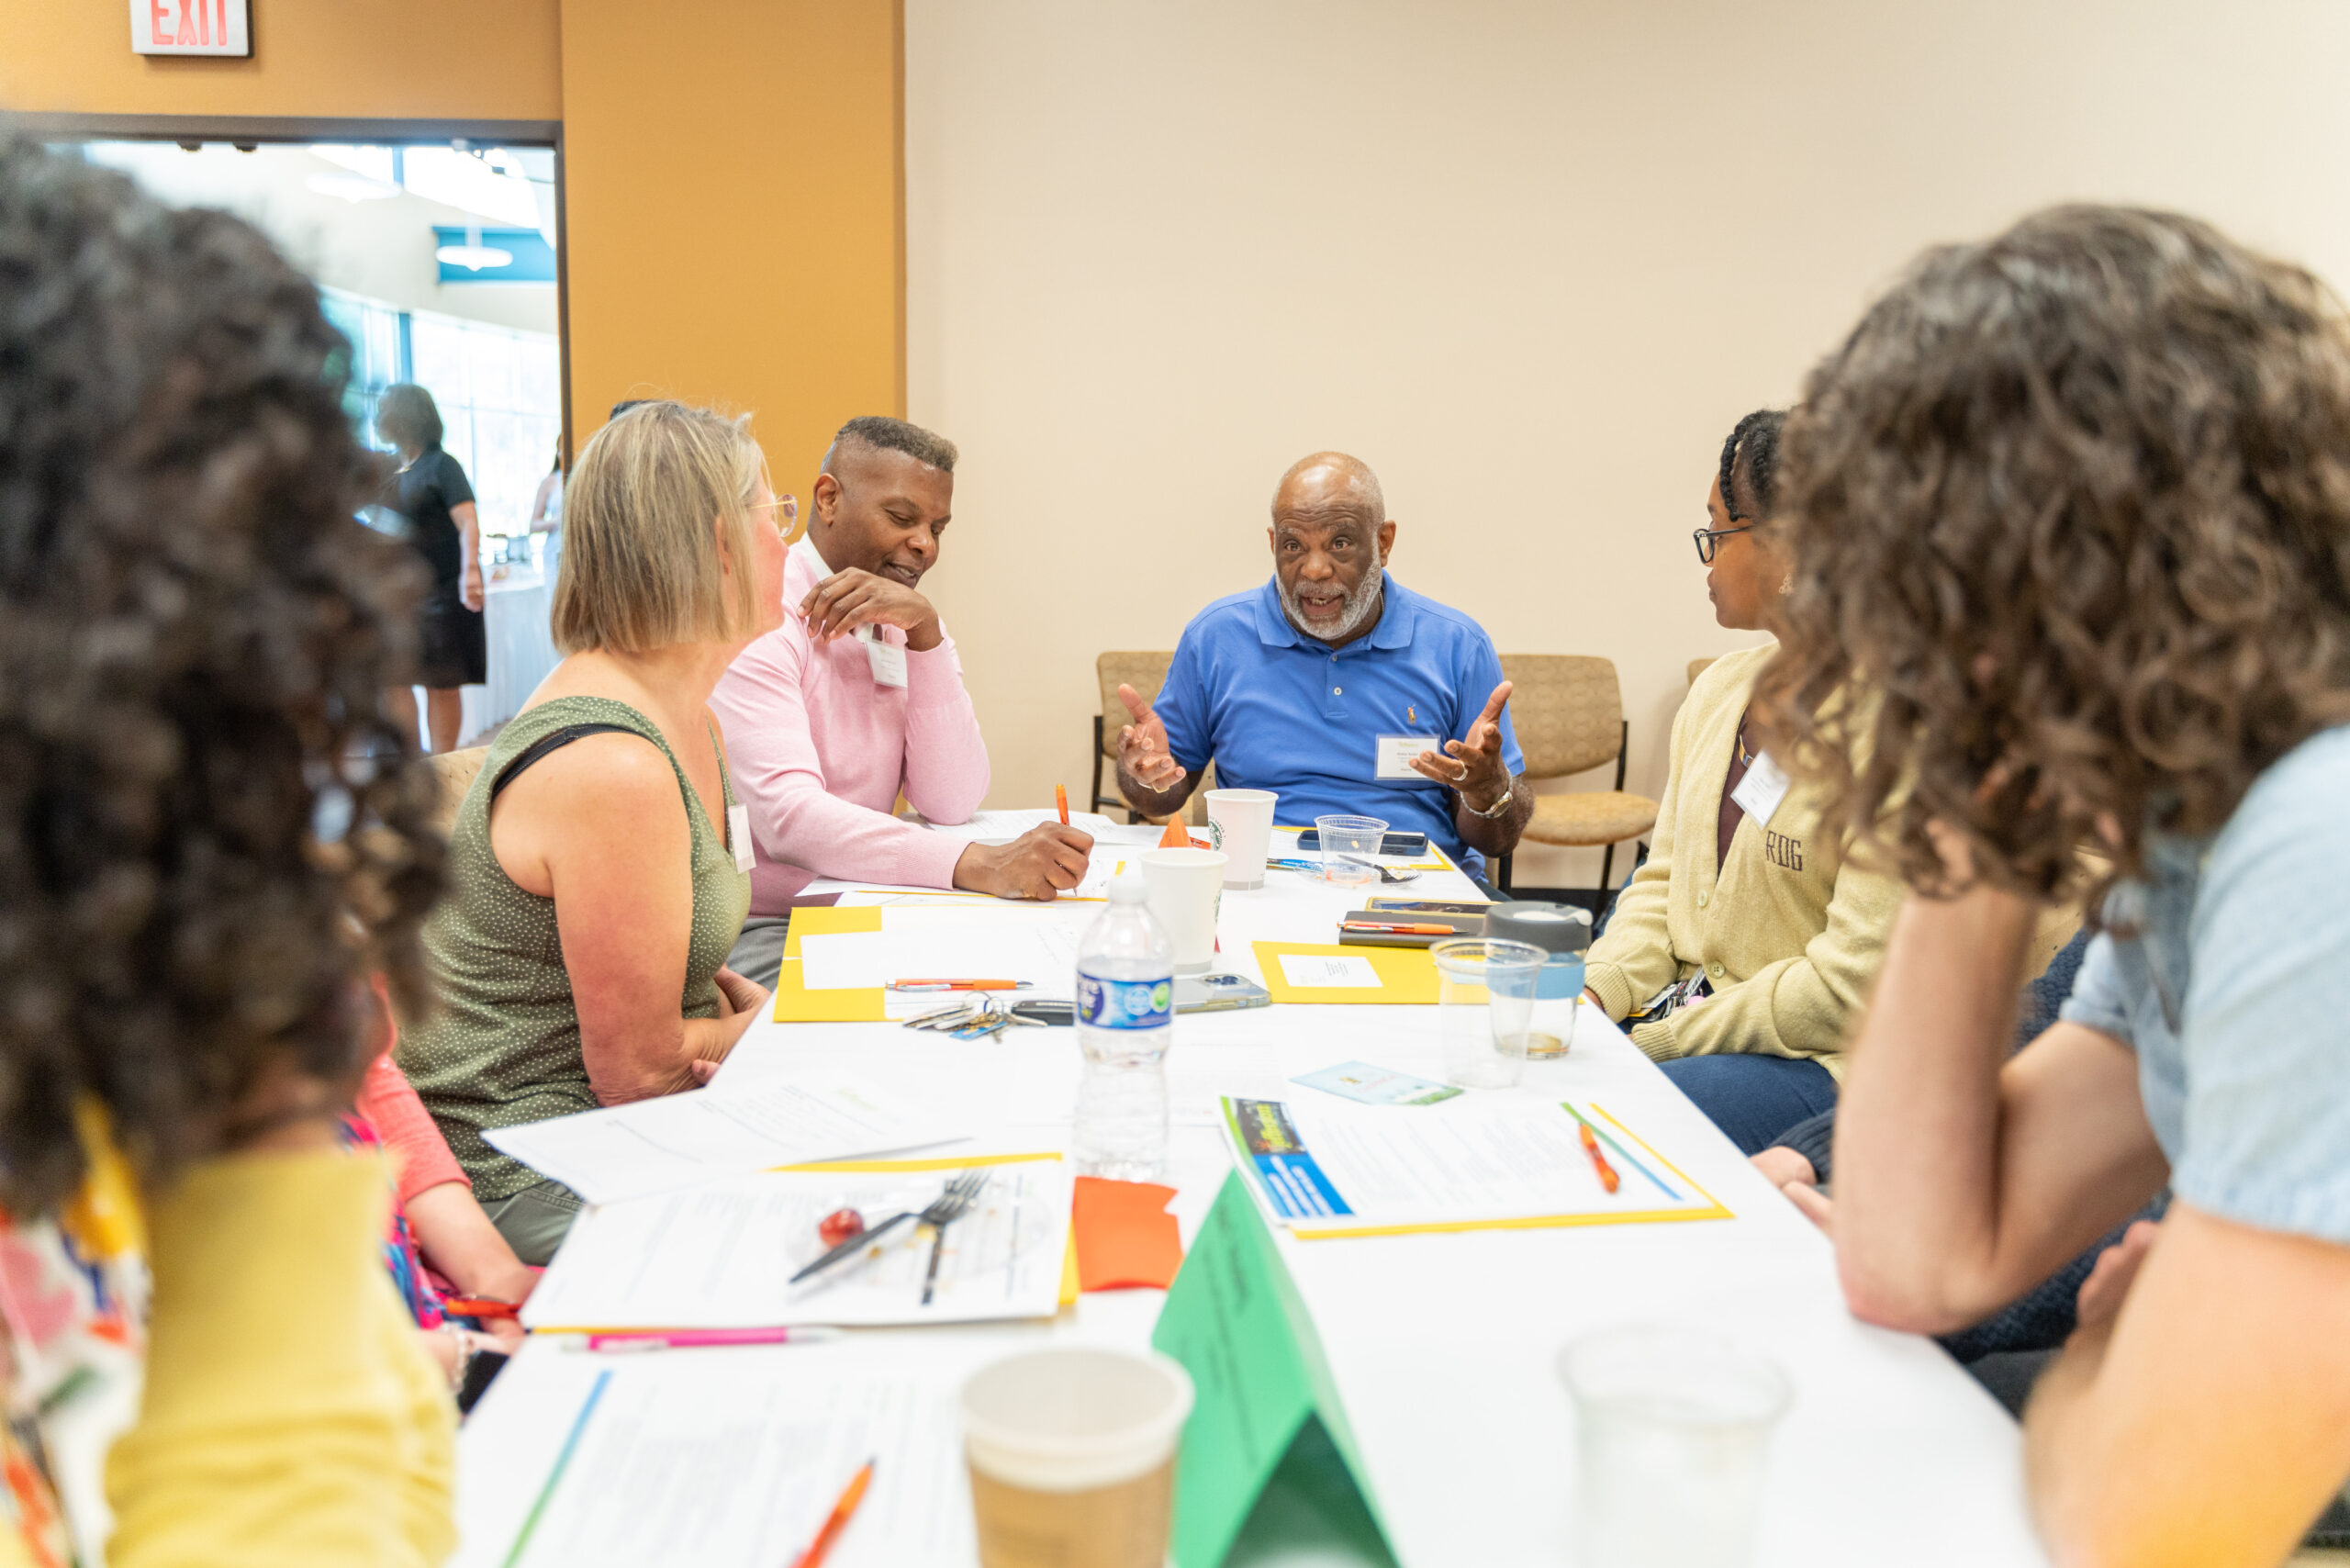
[(518, 612), (1443, 1345)]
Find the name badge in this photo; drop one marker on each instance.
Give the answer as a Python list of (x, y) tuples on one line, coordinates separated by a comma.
[(738, 833), (887, 660), (1396, 752), (1759, 793)]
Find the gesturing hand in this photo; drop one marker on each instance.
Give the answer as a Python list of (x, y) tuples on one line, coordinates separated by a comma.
[(847, 601), (1473, 766), (1039, 864), (1142, 745)]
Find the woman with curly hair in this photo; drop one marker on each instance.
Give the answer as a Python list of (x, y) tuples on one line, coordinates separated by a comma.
[(2073, 504), (209, 838), (600, 866)]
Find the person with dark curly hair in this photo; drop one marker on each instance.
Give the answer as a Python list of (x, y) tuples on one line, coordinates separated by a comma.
[(435, 502), (1746, 940), (2074, 505), (209, 839), (600, 863)]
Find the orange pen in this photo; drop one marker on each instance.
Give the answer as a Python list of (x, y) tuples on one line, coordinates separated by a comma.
[(1607, 1177), (818, 1547), (1060, 799), (1399, 930)]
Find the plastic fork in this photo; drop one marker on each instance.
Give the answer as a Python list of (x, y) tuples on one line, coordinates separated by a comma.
[(949, 1207)]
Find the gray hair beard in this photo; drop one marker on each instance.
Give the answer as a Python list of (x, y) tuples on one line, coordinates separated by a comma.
[(1359, 605)]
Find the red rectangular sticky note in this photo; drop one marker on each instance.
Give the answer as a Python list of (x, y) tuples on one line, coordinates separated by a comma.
[(1124, 1235)]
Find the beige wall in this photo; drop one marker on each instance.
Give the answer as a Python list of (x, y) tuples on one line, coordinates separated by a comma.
[(1530, 260)]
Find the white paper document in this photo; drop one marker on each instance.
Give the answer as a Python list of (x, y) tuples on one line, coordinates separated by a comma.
[(1325, 1167), (1315, 971), (1040, 951), (1001, 827), (722, 1256), (652, 1146), (712, 1459)]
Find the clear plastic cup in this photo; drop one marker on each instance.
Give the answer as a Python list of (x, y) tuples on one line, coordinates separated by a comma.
[(1351, 849), (1672, 1428), (1072, 1457), (1486, 990)]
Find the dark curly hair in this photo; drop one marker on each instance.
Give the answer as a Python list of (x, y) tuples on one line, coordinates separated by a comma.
[(2070, 514), (1751, 465), (208, 829)]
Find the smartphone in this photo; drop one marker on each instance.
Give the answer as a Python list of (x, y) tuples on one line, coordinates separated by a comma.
[(1413, 843), (1218, 994)]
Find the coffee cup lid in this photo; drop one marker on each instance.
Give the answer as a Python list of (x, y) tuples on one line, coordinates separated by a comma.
[(1553, 927)]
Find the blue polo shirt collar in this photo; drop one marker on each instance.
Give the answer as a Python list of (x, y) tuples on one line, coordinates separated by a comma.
[(1393, 630)]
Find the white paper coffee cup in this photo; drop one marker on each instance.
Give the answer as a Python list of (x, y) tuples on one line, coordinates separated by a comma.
[(1240, 823), (1186, 889)]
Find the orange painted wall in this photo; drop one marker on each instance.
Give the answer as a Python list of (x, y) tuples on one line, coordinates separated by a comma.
[(363, 59), (734, 213)]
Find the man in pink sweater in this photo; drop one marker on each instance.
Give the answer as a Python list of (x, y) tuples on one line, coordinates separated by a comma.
[(859, 695)]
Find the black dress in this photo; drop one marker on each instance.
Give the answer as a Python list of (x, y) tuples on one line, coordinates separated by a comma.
[(455, 644)]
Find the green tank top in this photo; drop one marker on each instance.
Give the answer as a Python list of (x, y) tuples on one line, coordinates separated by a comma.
[(502, 1047)]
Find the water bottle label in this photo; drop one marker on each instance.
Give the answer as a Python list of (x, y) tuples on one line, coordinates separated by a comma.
[(1124, 1004)]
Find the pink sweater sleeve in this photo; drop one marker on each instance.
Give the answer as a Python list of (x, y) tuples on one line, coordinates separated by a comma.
[(780, 773), (423, 1159), (947, 758)]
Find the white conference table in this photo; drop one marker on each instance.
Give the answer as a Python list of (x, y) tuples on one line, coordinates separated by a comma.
[(1442, 1345)]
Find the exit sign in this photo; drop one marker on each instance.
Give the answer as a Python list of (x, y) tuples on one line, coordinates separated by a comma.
[(190, 26)]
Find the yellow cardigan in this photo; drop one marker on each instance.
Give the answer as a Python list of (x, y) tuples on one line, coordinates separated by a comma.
[(1789, 931), (289, 1415)]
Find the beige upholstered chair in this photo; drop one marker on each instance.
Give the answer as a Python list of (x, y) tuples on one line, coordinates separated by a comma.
[(1568, 710), (1698, 667), (1145, 672), (455, 771)]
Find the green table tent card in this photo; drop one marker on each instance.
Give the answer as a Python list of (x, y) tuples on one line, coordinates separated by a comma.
[(1235, 1320)]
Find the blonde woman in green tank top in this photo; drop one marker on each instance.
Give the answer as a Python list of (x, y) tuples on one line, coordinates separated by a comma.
[(596, 868)]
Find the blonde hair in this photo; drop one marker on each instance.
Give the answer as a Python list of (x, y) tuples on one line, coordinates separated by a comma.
[(641, 566)]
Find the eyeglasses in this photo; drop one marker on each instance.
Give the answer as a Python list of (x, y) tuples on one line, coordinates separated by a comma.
[(1707, 541), (785, 509)]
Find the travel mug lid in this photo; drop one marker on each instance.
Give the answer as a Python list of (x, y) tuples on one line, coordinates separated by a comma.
[(1553, 927)]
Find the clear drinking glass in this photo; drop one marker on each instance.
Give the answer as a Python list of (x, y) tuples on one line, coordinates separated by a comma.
[(1486, 1005), (1673, 1426), (1351, 849)]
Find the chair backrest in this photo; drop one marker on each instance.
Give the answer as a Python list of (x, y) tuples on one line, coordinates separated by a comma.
[(1145, 672), (1568, 710), (1696, 668), (454, 771)]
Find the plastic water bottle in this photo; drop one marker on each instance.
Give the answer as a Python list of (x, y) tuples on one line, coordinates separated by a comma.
[(1125, 1017)]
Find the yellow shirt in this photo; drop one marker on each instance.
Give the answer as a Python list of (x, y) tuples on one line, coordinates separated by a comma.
[(289, 1415), (1788, 932)]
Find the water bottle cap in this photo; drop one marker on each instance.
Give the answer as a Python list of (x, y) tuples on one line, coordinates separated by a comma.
[(1129, 888)]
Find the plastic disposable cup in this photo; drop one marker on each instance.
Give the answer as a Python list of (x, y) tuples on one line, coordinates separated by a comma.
[(1186, 891), (1240, 823), (1072, 1457), (1672, 1428), (1485, 1006), (1351, 849)]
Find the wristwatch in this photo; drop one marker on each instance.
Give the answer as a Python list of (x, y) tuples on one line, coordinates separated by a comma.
[(1493, 812)]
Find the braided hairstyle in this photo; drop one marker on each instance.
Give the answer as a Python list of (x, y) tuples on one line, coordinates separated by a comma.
[(208, 831), (1751, 465)]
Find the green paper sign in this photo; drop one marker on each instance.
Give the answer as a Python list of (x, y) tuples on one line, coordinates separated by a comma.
[(1235, 1320)]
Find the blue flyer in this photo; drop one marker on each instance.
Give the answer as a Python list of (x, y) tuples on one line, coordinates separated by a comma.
[(1376, 1085)]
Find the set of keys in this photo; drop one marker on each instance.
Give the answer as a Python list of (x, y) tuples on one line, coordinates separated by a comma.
[(983, 1018)]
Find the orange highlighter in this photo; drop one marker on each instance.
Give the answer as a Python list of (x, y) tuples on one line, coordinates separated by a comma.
[(1060, 799), (821, 1548), (1607, 1177)]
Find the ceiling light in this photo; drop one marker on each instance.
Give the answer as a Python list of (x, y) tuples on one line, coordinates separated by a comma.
[(473, 255)]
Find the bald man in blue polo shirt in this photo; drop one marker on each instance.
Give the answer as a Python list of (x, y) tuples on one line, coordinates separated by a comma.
[(1289, 686)]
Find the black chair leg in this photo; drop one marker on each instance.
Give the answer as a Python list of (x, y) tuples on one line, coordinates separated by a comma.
[(1501, 873), (1606, 871)]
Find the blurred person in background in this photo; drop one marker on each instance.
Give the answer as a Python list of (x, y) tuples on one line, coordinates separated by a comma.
[(210, 838), (429, 492)]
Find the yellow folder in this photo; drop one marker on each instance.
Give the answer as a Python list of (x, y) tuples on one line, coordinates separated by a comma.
[(794, 1002), (1406, 975)]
